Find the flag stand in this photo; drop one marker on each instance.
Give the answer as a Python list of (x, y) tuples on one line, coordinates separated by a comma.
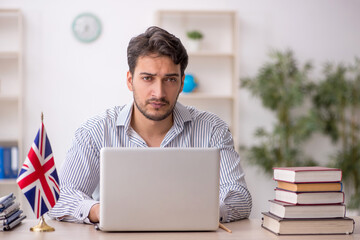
[(42, 226), (32, 171)]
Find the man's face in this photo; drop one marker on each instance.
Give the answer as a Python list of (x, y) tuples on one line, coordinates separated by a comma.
[(156, 85)]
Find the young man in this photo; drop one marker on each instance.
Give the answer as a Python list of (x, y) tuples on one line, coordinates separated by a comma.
[(157, 61)]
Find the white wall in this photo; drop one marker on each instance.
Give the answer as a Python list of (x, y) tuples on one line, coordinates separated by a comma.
[(70, 81)]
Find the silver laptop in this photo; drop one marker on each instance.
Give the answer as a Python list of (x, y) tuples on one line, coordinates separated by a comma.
[(159, 189)]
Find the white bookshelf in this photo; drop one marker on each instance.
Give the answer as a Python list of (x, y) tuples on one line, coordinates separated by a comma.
[(11, 85), (214, 65)]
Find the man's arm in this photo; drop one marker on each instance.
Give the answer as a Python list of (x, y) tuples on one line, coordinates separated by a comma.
[(235, 198), (79, 177)]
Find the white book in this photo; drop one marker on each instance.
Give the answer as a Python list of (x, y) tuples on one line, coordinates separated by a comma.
[(14, 161), (307, 174), (287, 210), (309, 197)]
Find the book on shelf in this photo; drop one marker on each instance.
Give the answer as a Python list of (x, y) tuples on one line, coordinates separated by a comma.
[(2, 173), (307, 174), (307, 226), (309, 197), (287, 210), (310, 187), (8, 162), (14, 162)]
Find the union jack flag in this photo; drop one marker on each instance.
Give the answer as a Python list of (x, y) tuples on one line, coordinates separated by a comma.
[(38, 178)]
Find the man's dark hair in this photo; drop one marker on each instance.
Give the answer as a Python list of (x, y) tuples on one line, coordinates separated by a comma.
[(159, 42)]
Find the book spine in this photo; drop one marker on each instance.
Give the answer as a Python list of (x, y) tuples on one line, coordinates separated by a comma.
[(7, 162), (14, 162), (2, 175)]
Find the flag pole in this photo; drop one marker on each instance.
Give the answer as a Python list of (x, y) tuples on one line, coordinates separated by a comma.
[(42, 225)]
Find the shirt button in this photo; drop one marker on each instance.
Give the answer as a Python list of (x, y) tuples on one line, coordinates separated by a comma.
[(81, 215)]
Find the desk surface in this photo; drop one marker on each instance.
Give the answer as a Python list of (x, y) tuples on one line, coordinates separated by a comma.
[(243, 229)]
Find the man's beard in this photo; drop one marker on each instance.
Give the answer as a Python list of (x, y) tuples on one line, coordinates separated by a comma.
[(154, 117)]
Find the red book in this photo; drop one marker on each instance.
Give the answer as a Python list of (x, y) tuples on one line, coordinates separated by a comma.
[(307, 174)]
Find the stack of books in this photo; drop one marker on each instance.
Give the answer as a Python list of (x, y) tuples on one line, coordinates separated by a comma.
[(10, 213), (308, 200)]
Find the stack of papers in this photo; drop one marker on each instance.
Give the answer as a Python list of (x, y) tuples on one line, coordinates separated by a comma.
[(10, 213)]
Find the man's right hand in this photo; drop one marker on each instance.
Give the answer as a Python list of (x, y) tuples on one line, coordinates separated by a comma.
[(94, 214)]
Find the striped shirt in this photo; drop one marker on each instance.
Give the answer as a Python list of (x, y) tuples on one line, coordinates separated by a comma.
[(80, 173)]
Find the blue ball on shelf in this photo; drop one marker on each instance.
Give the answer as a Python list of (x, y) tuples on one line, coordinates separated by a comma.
[(189, 83)]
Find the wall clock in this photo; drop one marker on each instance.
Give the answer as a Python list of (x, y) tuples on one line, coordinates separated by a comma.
[(86, 27)]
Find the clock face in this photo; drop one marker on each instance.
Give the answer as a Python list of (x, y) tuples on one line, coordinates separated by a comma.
[(86, 27)]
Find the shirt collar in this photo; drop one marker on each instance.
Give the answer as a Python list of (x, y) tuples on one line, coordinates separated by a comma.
[(181, 115), (124, 116)]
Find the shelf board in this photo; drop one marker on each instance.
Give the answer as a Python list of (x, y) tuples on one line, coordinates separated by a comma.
[(9, 142), (204, 96), (211, 54), (9, 54), (7, 181), (10, 11), (197, 12), (9, 98)]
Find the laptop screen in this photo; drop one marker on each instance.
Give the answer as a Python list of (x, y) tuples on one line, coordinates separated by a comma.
[(159, 189)]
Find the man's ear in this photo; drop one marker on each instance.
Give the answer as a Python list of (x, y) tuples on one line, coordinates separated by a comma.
[(182, 82), (129, 81)]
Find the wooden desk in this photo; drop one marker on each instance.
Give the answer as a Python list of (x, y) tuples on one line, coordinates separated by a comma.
[(244, 229)]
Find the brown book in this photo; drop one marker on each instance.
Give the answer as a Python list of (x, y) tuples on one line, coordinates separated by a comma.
[(310, 187), (307, 226), (287, 210)]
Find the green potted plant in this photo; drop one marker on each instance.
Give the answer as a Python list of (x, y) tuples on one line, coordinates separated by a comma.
[(194, 38), (282, 85), (195, 35), (336, 102)]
